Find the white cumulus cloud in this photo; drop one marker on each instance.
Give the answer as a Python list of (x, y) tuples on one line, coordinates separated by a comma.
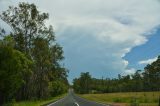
[(97, 34), (130, 71), (148, 61)]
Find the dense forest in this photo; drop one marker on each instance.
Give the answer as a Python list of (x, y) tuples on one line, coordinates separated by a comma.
[(142, 80), (29, 56)]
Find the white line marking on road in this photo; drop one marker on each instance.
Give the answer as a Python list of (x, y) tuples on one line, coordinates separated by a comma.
[(76, 103), (55, 102)]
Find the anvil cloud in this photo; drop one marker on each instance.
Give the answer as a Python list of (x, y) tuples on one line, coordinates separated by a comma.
[(97, 34)]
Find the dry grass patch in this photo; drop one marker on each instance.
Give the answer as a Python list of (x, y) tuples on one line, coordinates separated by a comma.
[(125, 99)]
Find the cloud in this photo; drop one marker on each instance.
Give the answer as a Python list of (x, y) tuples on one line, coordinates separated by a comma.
[(97, 34), (148, 61), (130, 71)]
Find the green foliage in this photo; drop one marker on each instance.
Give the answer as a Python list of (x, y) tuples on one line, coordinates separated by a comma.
[(13, 65), (8, 41), (30, 42), (134, 102), (2, 32), (83, 84), (57, 87), (27, 23), (147, 80), (42, 67), (43, 102), (152, 76)]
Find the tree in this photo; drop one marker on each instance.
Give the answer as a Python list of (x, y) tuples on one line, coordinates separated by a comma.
[(27, 23), (37, 41), (152, 75), (43, 63), (2, 32), (137, 81), (83, 84), (13, 65)]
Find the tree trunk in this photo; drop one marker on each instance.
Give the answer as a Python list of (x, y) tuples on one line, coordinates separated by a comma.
[(1, 98)]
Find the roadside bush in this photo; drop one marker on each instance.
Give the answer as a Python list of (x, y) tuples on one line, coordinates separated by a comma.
[(57, 88)]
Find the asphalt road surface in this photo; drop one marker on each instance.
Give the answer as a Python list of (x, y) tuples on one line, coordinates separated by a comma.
[(72, 100)]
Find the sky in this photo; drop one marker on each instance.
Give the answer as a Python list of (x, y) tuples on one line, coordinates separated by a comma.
[(103, 37)]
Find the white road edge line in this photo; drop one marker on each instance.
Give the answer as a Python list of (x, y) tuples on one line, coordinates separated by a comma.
[(76, 103), (55, 102)]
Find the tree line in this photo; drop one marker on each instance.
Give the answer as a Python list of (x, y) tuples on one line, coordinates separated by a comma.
[(29, 56), (142, 80)]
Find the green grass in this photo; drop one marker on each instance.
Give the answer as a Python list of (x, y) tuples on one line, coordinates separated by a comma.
[(125, 99), (36, 103)]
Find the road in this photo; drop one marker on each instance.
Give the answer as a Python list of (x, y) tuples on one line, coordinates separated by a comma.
[(73, 100)]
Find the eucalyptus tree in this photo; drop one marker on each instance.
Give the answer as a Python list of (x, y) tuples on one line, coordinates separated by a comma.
[(37, 41), (152, 75), (27, 23)]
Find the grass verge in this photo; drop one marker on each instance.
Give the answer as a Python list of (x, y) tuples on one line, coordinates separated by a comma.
[(36, 103), (125, 99)]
